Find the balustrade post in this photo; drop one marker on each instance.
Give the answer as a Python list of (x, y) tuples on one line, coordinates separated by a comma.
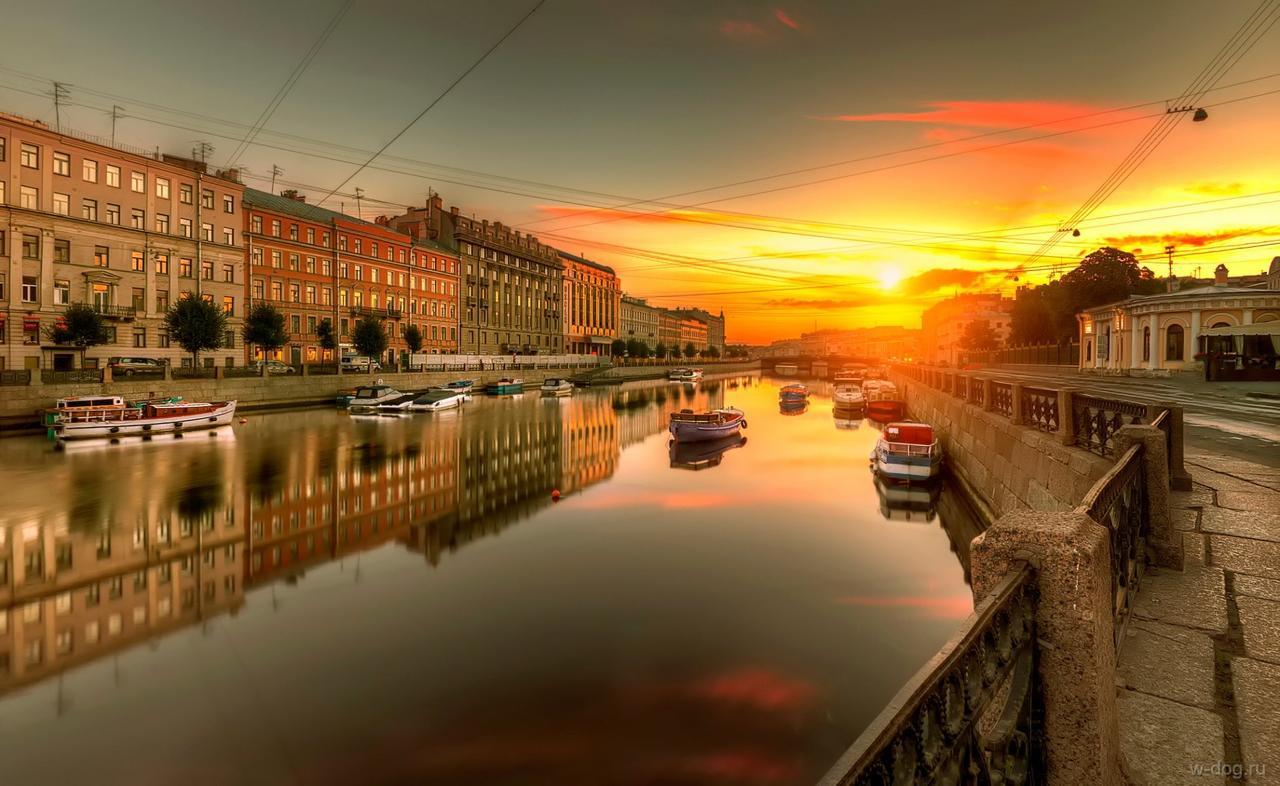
[(1179, 478), (306, 369), (1015, 404), (168, 372), (1066, 423), (106, 374), (988, 400), (1163, 542), (1075, 634), (218, 373)]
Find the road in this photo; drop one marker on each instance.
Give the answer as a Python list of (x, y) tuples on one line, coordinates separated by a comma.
[(1237, 419)]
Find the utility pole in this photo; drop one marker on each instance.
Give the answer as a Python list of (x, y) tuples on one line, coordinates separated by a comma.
[(60, 92), (275, 171), (117, 112), (359, 196), (1169, 250)]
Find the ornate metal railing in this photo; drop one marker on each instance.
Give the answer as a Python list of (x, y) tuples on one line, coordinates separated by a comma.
[(977, 392), (230, 372), (73, 376), (1118, 501), (17, 376), (970, 715), (1094, 421), (193, 372), (1040, 408), (1002, 398)]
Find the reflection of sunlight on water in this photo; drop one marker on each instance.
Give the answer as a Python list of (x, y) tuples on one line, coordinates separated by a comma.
[(486, 631)]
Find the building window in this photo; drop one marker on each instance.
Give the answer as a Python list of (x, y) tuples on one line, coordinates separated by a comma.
[(163, 342), (1146, 343), (311, 235), (206, 270), (162, 263), (162, 188), (184, 227), (255, 224), (184, 193), (62, 164), (275, 259), (162, 223), (62, 251), (113, 176), (89, 210), (30, 246), (275, 227), (206, 232), (293, 231), (29, 198), (228, 305), (229, 236), (61, 204), (293, 262), (229, 273), (137, 262), (162, 303), (30, 155), (139, 301), (61, 293), (89, 170), (206, 199), (184, 267), (138, 218), (139, 338), (102, 256), (1173, 349), (113, 213), (138, 182), (255, 257), (228, 341)]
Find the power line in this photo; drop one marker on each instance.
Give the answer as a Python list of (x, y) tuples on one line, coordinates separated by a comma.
[(437, 99)]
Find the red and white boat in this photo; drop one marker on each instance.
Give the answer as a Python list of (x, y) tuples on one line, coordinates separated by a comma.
[(689, 426), (150, 418), (882, 399)]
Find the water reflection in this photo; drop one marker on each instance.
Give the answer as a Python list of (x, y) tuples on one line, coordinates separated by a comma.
[(392, 623)]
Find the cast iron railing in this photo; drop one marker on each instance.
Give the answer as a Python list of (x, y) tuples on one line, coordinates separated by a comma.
[(972, 714), (1040, 408), (1094, 421), (74, 376), (17, 376), (230, 372), (977, 392), (1118, 501), (193, 372), (1002, 398)]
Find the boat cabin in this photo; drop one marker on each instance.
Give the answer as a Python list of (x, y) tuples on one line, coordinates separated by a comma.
[(371, 391), (90, 402)]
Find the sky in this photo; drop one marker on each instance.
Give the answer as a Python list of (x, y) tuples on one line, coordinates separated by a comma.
[(655, 136)]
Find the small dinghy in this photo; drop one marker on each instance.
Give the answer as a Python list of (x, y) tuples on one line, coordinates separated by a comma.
[(689, 426)]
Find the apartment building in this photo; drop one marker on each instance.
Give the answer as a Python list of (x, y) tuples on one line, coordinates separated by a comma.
[(714, 323), (692, 331), (125, 231), (591, 302), (638, 320), (943, 324)]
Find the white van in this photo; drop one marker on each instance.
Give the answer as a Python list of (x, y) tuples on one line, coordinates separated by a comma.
[(360, 363)]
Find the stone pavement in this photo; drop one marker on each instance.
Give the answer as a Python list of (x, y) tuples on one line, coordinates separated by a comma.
[(1198, 677)]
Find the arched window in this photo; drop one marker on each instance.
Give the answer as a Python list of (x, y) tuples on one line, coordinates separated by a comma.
[(1173, 349), (1146, 343)]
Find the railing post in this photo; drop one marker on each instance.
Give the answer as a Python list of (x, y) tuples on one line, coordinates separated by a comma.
[(1066, 423), (219, 373), (988, 404), (1075, 634), (168, 372), (306, 369), (1179, 478), (1015, 403), (106, 374), (1163, 541)]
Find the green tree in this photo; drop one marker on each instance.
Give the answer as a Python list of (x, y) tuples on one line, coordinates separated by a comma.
[(661, 351), (369, 337), (637, 348), (714, 352), (618, 347), (80, 326), (1032, 320), (324, 331), (413, 338), (196, 324), (978, 336), (264, 328), (690, 350)]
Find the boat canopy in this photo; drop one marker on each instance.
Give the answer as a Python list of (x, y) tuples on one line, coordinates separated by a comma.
[(910, 433)]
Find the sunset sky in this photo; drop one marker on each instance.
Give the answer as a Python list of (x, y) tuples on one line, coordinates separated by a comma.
[(650, 136)]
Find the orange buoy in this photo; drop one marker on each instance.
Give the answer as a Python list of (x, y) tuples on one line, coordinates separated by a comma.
[(555, 495)]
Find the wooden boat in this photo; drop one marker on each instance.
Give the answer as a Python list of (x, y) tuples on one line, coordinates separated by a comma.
[(702, 455), (794, 392), (504, 386), (458, 385), (368, 397), (152, 418), (908, 452), (553, 386), (434, 400), (848, 395), (689, 426)]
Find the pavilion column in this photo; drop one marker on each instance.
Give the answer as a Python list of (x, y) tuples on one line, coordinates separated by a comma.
[(1157, 360), (1194, 337), (1135, 339), (1246, 317)]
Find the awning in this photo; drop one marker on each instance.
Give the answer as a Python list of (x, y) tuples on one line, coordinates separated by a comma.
[(1260, 329)]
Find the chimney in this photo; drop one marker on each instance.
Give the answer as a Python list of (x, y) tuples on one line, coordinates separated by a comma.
[(382, 221), (292, 193), (453, 211), (1220, 276)]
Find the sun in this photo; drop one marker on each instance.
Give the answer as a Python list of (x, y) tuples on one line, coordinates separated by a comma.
[(889, 277)]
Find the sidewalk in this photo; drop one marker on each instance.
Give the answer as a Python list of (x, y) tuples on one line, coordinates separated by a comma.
[(1198, 677)]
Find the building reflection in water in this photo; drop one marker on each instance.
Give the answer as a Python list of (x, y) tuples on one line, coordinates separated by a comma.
[(148, 538)]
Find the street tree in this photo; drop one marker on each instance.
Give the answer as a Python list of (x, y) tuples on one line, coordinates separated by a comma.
[(264, 328), (413, 338), (637, 348), (324, 331), (369, 337), (197, 325), (618, 348), (661, 351), (978, 336), (714, 352), (80, 326), (690, 350)]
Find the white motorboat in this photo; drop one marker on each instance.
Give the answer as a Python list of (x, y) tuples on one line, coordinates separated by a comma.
[(685, 375), (907, 452), (369, 397), (848, 395), (434, 400), (151, 418), (554, 386)]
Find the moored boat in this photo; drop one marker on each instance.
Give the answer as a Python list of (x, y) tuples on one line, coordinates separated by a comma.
[(908, 452), (504, 386), (794, 392), (436, 399), (371, 396), (151, 418), (458, 385), (689, 426), (685, 375), (848, 395), (883, 399), (553, 386)]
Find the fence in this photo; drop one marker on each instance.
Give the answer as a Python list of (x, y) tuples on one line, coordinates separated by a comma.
[(1031, 354), (1118, 501), (17, 376), (74, 376)]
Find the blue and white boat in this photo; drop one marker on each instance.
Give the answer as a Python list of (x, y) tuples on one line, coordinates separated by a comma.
[(458, 385), (907, 452)]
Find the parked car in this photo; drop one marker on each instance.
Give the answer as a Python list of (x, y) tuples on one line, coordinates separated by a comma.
[(276, 367), (360, 363), (132, 365)]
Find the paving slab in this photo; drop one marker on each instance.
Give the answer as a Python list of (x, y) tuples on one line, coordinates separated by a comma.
[(1194, 598), (1163, 742), (1257, 689), (1192, 551), (1184, 519), (1222, 481), (1257, 587), (1246, 555), (1251, 524), (1260, 622), (1168, 661), (1260, 501)]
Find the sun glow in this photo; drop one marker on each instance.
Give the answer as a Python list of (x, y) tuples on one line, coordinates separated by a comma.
[(889, 277)]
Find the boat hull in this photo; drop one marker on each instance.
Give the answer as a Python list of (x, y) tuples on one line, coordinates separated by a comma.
[(148, 426), (703, 432), (886, 408), (912, 469), (502, 390)]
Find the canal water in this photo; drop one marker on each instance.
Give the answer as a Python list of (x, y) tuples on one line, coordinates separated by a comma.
[(317, 598)]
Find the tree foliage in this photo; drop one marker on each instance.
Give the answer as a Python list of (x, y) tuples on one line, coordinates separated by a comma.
[(637, 348), (197, 325), (81, 326), (324, 331), (690, 350), (618, 347), (369, 337), (978, 336), (264, 327), (413, 338), (661, 350), (714, 352), (1048, 312)]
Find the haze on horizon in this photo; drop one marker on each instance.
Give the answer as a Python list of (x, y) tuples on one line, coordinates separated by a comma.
[(649, 136)]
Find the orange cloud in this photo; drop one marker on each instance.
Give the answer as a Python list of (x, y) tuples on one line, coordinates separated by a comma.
[(741, 30), (941, 278), (1193, 239), (1217, 189), (946, 607), (785, 18), (980, 114)]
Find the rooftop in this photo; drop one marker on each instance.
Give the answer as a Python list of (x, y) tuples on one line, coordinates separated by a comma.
[(585, 261), (295, 207)]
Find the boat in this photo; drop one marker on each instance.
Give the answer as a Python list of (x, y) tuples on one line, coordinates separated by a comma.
[(689, 426), (458, 385), (702, 455), (908, 502), (883, 399), (845, 420), (685, 375), (786, 369), (435, 399), (850, 372), (675, 374), (848, 395), (793, 406), (554, 386), (504, 386), (794, 392), (371, 396), (151, 418), (908, 452)]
